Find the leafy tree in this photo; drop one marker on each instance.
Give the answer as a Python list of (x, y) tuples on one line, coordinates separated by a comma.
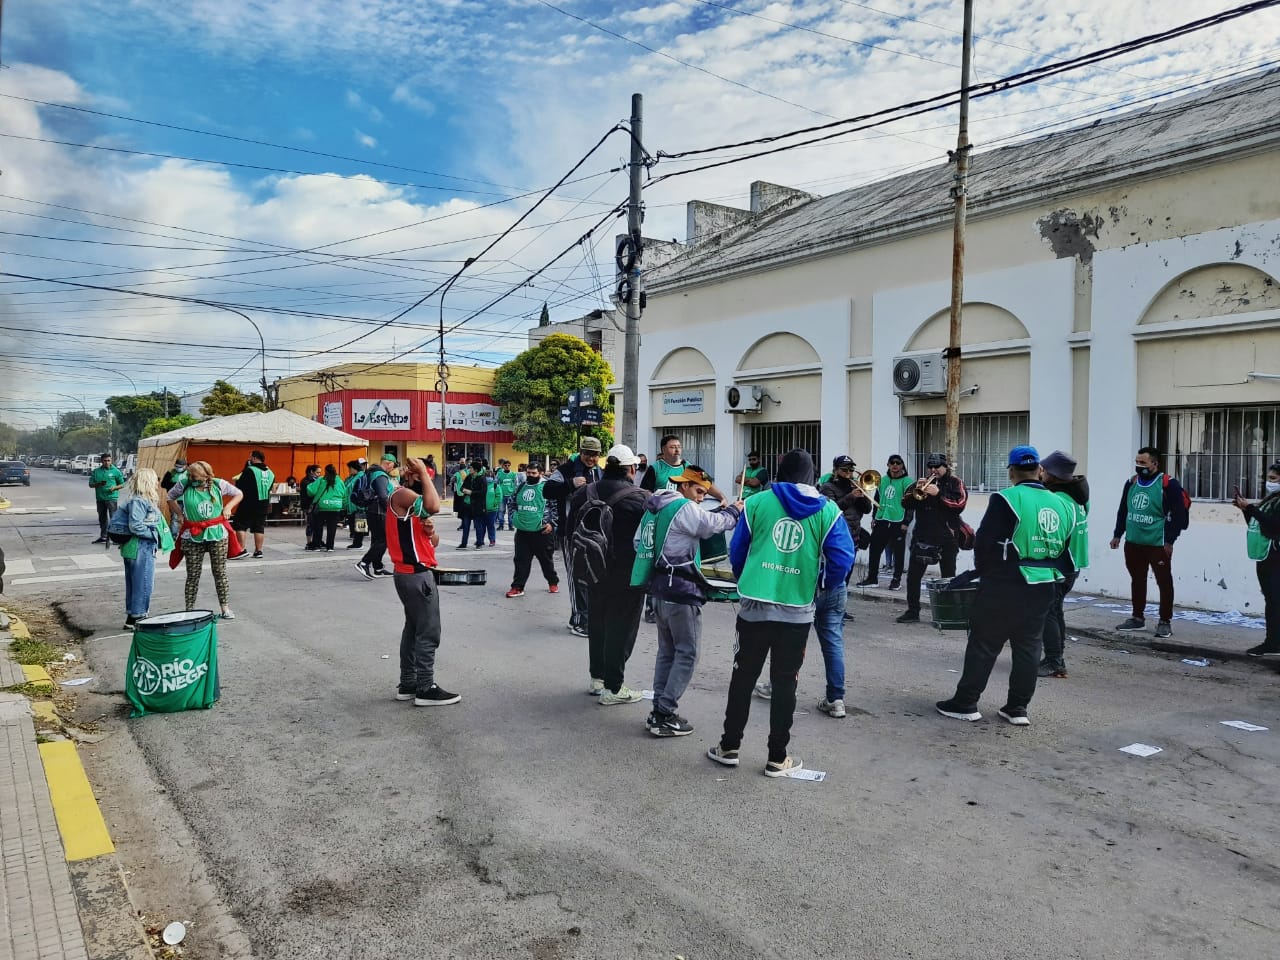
[(224, 400), (39, 442), (164, 424), (535, 385), (83, 440), (134, 411), (75, 420), (544, 318), (9, 440)]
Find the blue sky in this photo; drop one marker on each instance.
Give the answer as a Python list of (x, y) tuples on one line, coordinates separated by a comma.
[(439, 109)]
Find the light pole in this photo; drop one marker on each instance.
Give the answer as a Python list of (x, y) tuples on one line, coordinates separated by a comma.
[(442, 381), (262, 344)]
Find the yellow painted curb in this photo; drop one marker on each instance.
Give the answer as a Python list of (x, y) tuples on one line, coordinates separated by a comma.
[(84, 832), (43, 709), (17, 629), (36, 673)]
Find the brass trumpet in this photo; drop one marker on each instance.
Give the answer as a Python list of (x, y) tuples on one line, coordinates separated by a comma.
[(917, 490), (869, 480)]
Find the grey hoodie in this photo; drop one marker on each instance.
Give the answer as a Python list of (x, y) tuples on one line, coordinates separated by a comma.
[(689, 527)]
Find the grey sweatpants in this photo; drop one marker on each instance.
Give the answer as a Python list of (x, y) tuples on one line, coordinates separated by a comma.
[(421, 635), (679, 633)]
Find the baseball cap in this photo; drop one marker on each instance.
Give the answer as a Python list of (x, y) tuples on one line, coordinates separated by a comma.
[(622, 455), (1024, 457), (180, 462), (589, 445), (843, 462), (361, 460), (1060, 465), (936, 460), (692, 474), (389, 458)]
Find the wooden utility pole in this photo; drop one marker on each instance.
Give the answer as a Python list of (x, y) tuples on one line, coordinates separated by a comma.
[(958, 191), (631, 281)]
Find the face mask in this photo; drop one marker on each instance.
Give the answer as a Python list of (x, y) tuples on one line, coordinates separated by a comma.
[(1144, 472), (1273, 486)]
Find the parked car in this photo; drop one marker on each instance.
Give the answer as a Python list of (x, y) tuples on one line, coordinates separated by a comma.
[(15, 471), (61, 463), (45, 460)]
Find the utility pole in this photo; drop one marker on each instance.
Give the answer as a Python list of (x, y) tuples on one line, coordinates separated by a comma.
[(631, 281), (958, 191)]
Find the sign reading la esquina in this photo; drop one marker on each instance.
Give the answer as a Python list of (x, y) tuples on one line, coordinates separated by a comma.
[(377, 413)]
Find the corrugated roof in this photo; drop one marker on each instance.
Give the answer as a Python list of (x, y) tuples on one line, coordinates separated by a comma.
[(1224, 118), (277, 426)]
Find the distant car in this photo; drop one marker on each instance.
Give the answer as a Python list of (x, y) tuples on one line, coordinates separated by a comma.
[(61, 463), (80, 465), (46, 460), (14, 471)]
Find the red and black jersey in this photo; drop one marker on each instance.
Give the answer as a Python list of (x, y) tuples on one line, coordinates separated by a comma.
[(408, 542)]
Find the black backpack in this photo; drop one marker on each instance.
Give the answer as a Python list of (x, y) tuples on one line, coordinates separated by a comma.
[(362, 494), (590, 547)]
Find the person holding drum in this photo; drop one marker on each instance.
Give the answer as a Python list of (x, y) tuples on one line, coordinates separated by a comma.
[(204, 502), (792, 542)]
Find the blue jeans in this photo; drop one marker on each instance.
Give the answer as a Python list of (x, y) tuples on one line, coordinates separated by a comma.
[(139, 574), (507, 513), (828, 623), (491, 526)]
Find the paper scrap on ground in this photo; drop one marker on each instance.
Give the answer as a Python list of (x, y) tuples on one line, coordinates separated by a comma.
[(1242, 725), (113, 636), (1141, 749), (386, 656), (77, 682), (646, 694), (803, 774), (1195, 663)]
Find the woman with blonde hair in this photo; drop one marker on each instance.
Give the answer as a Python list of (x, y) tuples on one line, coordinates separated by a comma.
[(203, 502), (144, 520)]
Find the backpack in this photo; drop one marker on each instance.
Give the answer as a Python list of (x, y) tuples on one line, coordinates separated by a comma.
[(362, 494), (590, 548), (1186, 497)]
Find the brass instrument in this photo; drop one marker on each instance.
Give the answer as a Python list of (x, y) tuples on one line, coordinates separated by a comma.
[(869, 480), (917, 490)]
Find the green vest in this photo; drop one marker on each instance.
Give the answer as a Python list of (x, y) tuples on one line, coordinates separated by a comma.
[(204, 505), (1045, 524), (826, 478), (786, 553), (326, 498), (458, 479), (663, 472), (1078, 545), (493, 497), (265, 478), (1260, 546), (751, 473), (506, 481), (891, 493), (1144, 519), (531, 506), (650, 536)]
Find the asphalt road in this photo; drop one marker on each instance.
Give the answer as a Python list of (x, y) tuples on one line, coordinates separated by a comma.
[(528, 821)]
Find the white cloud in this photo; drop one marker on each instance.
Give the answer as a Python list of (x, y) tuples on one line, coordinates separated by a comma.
[(662, 13), (406, 95), (365, 140), (356, 102)]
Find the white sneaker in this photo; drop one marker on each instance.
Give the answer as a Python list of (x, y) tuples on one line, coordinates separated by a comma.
[(833, 709), (624, 695), (764, 690), (596, 688)]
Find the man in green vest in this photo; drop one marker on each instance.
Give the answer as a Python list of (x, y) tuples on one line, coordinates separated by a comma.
[(106, 481), (1020, 553), (1262, 541), (251, 516), (505, 478), (1060, 477), (1152, 513), (792, 544), (889, 526), (754, 478), (535, 525)]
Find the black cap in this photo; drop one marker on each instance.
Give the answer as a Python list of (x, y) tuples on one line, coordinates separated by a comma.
[(843, 462), (936, 460)]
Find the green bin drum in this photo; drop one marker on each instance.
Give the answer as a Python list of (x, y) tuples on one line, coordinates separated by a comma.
[(173, 663), (950, 608)]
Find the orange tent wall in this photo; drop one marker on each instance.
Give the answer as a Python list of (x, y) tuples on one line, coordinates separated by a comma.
[(228, 459)]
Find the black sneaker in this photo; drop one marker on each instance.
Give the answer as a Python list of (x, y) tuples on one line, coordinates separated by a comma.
[(101, 540), (958, 711), (257, 554), (670, 725), (355, 546), (650, 721), (405, 692), (1164, 629), (1052, 668), (911, 616), (868, 582), (1015, 715), (1263, 650), (435, 696), (384, 572), (1133, 623), (895, 584), (366, 571)]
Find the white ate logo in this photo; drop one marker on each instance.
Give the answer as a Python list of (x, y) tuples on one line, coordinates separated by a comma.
[(1049, 520), (890, 493), (146, 676), (206, 510), (788, 536), (1141, 501), (647, 536)]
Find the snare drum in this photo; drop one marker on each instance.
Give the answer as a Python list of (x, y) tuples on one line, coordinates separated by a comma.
[(452, 577), (177, 624), (722, 591)]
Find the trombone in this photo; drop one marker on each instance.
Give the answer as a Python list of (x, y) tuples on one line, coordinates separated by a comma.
[(869, 481)]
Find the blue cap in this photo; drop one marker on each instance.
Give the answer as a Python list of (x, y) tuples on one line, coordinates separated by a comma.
[(1024, 457)]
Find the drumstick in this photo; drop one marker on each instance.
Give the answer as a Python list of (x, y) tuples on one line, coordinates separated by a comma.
[(743, 485)]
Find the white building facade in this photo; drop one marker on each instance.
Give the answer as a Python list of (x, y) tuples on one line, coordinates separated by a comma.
[(1122, 288)]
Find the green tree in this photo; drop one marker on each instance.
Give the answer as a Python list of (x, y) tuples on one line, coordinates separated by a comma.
[(224, 400), (75, 420), (9, 445), (41, 441), (161, 425), (91, 440), (544, 318), (535, 385), (134, 411)]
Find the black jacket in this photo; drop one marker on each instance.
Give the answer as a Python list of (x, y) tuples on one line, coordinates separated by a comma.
[(559, 486), (477, 485), (935, 516), (840, 491), (627, 513)]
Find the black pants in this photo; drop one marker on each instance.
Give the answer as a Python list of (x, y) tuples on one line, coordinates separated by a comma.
[(1055, 624), (1005, 611), (579, 602), (613, 620), (1269, 581), (783, 644), (105, 507), (420, 638), (891, 536), (324, 528), (357, 539), (946, 561), (377, 541), (530, 544)]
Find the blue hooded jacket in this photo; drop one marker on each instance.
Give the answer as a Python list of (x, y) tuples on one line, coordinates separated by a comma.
[(800, 501)]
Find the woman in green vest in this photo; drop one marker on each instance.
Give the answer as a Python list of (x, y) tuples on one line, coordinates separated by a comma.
[(203, 503), (1263, 542), (329, 501)]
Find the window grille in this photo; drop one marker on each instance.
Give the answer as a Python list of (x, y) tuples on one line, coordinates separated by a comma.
[(1214, 450), (775, 439), (985, 442)]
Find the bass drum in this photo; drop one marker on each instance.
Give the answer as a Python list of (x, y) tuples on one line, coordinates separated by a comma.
[(452, 577)]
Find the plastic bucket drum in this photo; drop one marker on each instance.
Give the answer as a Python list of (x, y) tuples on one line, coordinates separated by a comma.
[(721, 591), (950, 608), (173, 663)]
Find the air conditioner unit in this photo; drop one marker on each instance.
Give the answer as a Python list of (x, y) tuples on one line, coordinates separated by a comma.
[(924, 375), (742, 398)]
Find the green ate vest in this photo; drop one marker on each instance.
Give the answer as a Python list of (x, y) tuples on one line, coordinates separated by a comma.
[(663, 472), (786, 553), (751, 473), (204, 505), (328, 499), (891, 493), (265, 478), (1078, 545), (458, 479), (531, 506), (109, 477), (651, 536), (1045, 525), (506, 481), (1260, 546), (1144, 518), (493, 496)]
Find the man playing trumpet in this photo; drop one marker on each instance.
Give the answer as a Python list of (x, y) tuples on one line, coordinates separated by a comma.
[(936, 501)]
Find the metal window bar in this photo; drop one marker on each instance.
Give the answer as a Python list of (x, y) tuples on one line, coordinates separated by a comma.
[(985, 442), (1214, 450), (775, 439)]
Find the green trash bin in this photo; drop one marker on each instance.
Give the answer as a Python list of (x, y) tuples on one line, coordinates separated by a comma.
[(173, 663), (950, 606)]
